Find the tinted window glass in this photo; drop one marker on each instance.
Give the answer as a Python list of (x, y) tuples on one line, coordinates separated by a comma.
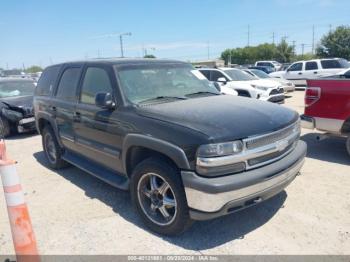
[(296, 67), (46, 81), (311, 66), (215, 75), (264, 64), (206, 73), (330, 64), (68, 84), (96, 80)]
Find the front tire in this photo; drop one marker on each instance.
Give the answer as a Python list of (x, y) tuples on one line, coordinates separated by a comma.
[(159, 197), (53, 151), (348, 145)]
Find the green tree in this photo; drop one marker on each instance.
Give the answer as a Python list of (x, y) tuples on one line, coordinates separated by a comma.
[(335, 43), (149, 56), (34, 69), (284, 52), (306, 56)]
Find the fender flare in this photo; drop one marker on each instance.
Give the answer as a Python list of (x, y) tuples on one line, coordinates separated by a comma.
[(172, 151), (48, 118)]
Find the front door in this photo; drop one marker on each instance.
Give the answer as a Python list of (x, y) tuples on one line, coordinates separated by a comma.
[(97, 130)]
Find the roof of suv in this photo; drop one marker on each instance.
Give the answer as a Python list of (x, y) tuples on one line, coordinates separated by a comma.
[(124, 61)]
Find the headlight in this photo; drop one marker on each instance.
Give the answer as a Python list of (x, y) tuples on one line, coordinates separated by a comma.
[(264, 88), (221, 149)]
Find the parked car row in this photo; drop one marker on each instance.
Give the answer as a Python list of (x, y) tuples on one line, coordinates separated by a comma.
[(245, 84)]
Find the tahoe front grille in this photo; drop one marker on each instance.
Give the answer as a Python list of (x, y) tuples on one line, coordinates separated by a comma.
[(263, 140)]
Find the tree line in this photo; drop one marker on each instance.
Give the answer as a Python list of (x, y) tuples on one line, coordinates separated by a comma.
[(333, 44)]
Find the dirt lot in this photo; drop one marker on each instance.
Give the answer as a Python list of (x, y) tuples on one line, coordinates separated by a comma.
[(74, 213)]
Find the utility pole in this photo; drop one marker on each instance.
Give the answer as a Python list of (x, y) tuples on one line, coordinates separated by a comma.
[(293, 46), (208, 50), (248, 35), (302, 49), (98, 53), (273, 37), (313, 39), (330, 28), (121, 42)]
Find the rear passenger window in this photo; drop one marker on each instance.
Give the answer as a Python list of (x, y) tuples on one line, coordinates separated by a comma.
[(46, 81), (215, 75), (311, 66), (96, 80), (68, 84), (330, 64)]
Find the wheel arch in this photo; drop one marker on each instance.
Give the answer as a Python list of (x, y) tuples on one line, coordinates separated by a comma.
[(138, 147), (44, 120), (345, 129)]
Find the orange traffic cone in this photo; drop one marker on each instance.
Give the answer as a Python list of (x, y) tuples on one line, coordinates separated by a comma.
[(21, 226)]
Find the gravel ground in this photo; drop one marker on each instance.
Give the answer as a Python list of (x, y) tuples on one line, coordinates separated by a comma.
[(74, 213)]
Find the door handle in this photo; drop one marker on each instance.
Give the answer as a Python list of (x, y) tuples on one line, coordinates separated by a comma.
[(315, 72), (300, 73), (53, 108), (77, 117)]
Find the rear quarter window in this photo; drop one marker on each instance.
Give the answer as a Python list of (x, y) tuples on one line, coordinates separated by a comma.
[(47, 81), (327, 64)]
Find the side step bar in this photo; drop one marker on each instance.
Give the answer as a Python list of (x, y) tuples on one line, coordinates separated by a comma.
[(106, 175)]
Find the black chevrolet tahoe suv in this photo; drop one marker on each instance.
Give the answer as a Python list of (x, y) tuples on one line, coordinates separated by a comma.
[(159, 129)]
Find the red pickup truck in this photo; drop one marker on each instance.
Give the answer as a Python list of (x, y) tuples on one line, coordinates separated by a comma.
[(327, 107)]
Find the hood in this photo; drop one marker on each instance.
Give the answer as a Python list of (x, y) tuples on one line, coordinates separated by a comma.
[(18, 101), (281, 80), (223, 117), (265, 83)]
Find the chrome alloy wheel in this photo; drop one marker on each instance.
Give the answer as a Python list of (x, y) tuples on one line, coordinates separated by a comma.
[(157, 199)]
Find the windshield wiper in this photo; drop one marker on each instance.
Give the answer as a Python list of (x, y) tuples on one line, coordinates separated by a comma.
[(164, 97), (202, 92)]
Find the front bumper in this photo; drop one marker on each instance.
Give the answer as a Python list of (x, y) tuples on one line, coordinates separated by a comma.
[(26, 125), (213, 197)]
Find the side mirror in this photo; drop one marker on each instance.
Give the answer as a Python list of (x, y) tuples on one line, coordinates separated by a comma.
[(222, 80), (217, 86), (104, 101)]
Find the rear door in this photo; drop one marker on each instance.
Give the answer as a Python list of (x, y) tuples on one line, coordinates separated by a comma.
[(64, 102), (98, 131), (311, 69)]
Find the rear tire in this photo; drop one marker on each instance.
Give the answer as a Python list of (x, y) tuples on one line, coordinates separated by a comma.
[(5, 129), (348, 145), (53, 151), (159, 197)]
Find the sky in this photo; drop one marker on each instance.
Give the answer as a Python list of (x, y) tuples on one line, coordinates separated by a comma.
[(39, 32)]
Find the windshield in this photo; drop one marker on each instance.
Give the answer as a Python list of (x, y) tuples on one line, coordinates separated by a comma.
[(142, 83), (16, 88), (238, 75), (260, 74)]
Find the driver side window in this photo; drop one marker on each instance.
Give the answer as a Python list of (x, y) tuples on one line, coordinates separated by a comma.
[(296, 67), (96, 80)]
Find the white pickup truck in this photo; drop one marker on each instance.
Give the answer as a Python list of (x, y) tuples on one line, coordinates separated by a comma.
[(300, 71)]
